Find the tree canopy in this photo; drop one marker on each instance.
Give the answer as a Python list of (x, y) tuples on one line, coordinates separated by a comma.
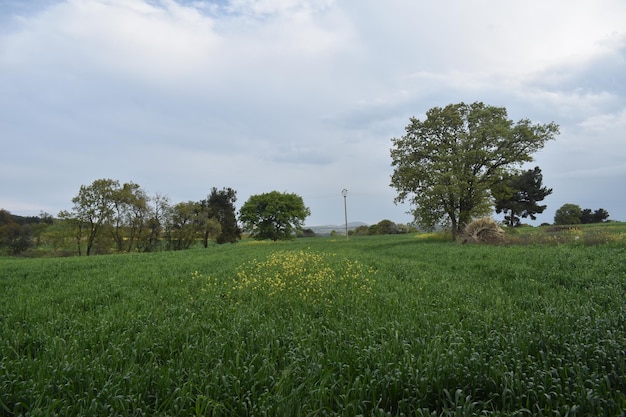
[(568, 214), (447, 164), (273, 215)]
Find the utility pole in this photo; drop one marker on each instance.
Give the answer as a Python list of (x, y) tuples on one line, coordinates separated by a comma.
[(344, 193)]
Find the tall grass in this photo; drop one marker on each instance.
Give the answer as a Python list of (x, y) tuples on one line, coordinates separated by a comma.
[(389, 325)]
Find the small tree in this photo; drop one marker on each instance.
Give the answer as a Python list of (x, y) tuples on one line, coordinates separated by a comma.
[(273, 215), (568, 214)]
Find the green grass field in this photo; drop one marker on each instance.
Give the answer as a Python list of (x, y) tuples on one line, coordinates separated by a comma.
[(381, 325)]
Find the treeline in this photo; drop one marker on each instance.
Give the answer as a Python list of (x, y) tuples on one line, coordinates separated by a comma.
[(109, 217), (18, 233), (384, 227), (112, 217), (573, 214)]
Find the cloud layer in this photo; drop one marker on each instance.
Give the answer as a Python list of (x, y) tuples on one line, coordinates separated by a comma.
[(300, 96)]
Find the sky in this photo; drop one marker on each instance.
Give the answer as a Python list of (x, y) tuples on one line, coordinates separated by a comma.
[(298, 96)]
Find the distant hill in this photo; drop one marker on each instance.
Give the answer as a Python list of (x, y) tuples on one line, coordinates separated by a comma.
[(326, 230)]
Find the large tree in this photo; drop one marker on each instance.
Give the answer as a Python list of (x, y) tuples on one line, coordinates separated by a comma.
[(273, 215), (221, 206), (517, 196), (446, 165)]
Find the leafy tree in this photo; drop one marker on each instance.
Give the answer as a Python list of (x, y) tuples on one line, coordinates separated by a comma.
[(568, 214), (273, 215), (519, 194), (94, 207), (221, 206), (183, 225), (446, 165), (386, 227), (130, 209)]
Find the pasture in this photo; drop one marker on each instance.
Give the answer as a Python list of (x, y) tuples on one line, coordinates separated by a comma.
[(378, 325)]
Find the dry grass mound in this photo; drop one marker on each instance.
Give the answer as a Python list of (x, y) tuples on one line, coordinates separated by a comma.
[(484, 230)]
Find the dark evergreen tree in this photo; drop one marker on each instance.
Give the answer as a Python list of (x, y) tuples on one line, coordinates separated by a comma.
[(221, 206), (600, 215), (517, 196), (586, 216), (589, 216)]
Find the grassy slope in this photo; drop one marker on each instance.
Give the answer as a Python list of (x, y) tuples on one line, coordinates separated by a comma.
[(418, 327)]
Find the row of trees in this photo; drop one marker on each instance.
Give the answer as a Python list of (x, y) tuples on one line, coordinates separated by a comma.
[(110, 216), (573, 214), (383, 227), (124, 213), (137, 222)]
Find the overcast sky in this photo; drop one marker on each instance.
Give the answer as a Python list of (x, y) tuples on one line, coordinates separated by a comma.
[(301, 96)]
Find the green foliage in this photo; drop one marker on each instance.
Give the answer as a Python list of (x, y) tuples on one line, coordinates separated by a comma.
[(400, 325), (446, 165), (383, 227), (184, 223), (573, 214), (518, 196), (14, 237), (273, 215), (18, 234), (588, 216), (568, 214)]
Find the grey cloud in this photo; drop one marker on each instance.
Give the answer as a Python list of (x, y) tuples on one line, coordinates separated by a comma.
[(304, 96)]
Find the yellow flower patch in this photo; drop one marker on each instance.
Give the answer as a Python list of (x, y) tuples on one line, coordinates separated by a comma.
[(300, 275)]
